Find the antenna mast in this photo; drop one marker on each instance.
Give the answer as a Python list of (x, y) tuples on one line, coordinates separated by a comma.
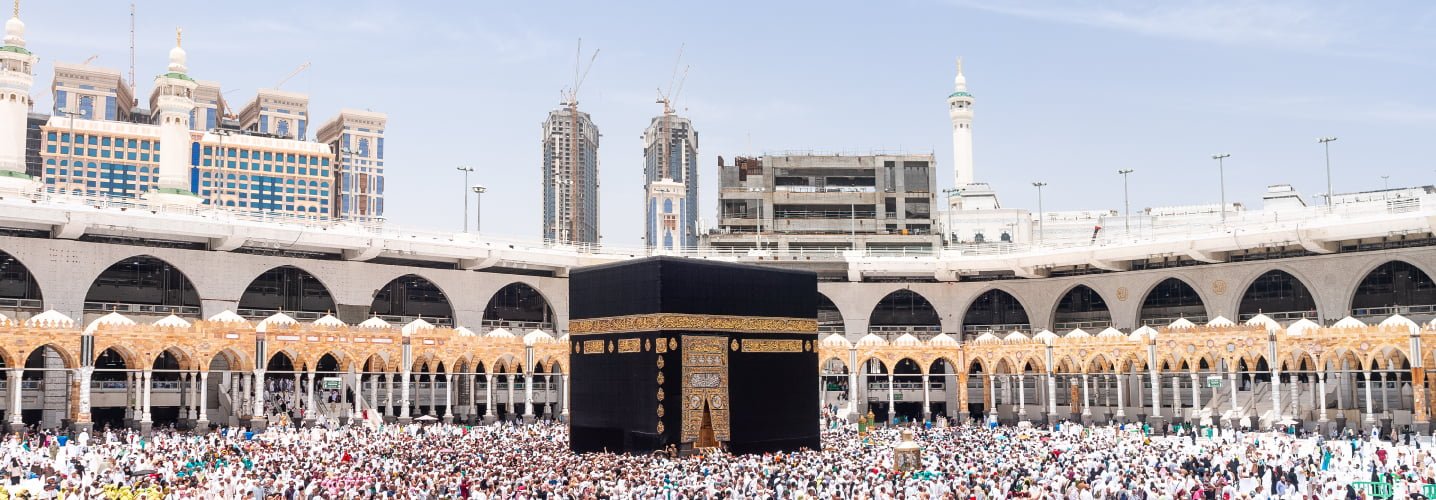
[(132, 45)]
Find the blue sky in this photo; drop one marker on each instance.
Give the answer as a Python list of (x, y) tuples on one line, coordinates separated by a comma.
[(1068, 91)]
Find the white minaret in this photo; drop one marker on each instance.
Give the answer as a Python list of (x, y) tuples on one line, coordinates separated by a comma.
[(959, 108), (173, 105), (17, 74)]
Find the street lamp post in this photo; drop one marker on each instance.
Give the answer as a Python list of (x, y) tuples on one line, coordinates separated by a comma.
[(466, 171), (1040, 224), (1222, 180), (479, 190), (71, 114), (1126, 203), (1385, 182), (1326, 145), (951, 233)]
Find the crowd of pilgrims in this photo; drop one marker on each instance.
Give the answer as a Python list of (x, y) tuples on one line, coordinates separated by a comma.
[(532, 461)]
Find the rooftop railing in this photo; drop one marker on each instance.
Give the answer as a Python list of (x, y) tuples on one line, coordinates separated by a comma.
[(1156, 229)]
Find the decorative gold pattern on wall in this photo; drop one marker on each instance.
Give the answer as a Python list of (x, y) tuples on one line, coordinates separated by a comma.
[(698, 322), (628, 345), (772, 345), (593, 347), (705, 380)]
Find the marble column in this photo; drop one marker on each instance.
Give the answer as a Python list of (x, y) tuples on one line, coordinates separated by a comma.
[(926, 399), (1121, 398), (145, 399), (1370, 412), (1232, 381), (404, 395), (513, 404), (202, 420), (566, 391), (1321, 396), (1021, 398), (1086, 397), (529, 395), (489, 397), (1156, 391), (1196, 394), (16, 387)]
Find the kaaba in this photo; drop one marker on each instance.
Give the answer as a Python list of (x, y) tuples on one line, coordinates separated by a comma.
[(674, 353)]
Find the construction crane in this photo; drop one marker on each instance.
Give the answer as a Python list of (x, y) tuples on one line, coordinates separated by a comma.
[(667, 98), (580, 73), (296, 72), (666, 131), (132, 45), (90, 59)]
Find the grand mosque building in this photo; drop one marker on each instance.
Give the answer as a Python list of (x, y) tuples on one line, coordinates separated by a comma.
[(160, 310)]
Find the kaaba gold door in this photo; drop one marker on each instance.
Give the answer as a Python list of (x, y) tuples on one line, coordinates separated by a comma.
[(705, 389)]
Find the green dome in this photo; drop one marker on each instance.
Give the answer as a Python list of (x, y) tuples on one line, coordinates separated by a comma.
[(959, 94)]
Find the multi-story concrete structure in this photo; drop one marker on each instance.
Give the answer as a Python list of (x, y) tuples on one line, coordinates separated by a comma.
[(666, 203), (827, 203), (91, 93), (209, 106), (276, 112), (1342, 293), (357, 139), (670, 156), (185, 148), (570, 177), (264, 174)]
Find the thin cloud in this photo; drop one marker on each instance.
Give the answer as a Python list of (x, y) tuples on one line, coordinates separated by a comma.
[(1280, 24)]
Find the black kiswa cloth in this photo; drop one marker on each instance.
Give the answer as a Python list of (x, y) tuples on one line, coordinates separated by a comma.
[(638, 384)]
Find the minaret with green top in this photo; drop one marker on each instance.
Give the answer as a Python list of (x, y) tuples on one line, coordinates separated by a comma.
[(17, 75), (959, 108), (173, 102)]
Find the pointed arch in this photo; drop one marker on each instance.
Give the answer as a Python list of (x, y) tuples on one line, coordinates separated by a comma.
[(1081, 307), (285, 288), (17, 285), (410, 297), (829, 317), (518, 304), (1170, 299), (143, 284), (1279, 295), (905, 311), (995, 310), (1391, 288)]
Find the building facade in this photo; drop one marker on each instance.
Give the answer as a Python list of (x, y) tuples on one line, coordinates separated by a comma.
[(827, 203), (209, 106), (570, 177), (279, 113), (91, 93), (264, 174), (666, 203), (357, 140), (670, 157)]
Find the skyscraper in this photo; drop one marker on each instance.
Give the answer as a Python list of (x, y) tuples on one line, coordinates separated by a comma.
[(670, 171), (570, 176), (357, 139)]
